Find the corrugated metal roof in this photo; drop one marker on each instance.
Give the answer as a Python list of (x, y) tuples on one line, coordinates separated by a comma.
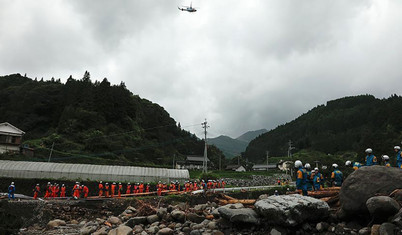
[(196, 158), (46, 170)]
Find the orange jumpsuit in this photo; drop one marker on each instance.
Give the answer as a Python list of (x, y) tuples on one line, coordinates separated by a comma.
[(85, 191), (54, 193), (76, 191), (100, 189), (160, 186), (119, 190), (128, 191), (141, 188), (106, 190), (113, 190), (147, 189), (36, 192), (209, 185), (223, 184), (48, 191), (63, 191)]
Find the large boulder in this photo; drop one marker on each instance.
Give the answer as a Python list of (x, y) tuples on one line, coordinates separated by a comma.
[(291, 210), (241, 215), (382, 207), (56, 223), (366, 182)]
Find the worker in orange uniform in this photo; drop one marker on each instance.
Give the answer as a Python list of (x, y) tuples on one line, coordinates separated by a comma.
[(63, 191), (100, 186), (57, 189), (36, 191), (128, 190), (48, 192), (147, 188), (113, 189), (141, 187), (172, 186), (223, 184), (120, 189), (160, 187), (54, 190), (107, 190), (76, 190), (136, 188), (85, 191), (209, 184)]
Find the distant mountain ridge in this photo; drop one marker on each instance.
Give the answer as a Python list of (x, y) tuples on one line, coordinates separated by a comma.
[(234, 147), (250, 135)]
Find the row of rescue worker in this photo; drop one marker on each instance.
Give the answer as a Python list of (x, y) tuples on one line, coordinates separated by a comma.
[(371, 160), (313, 180), (139, 188), (55, 191)]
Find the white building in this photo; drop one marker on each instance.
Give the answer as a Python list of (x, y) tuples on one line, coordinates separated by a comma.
[(86, 172), (10, 138)]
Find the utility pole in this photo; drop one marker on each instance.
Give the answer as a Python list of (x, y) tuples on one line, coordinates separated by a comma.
[(51, 151), (290, 148), (267, 159), (174, 155), (205, 162)]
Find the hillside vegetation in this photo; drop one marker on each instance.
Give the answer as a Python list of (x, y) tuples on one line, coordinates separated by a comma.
[(94, 122), (346, 124)]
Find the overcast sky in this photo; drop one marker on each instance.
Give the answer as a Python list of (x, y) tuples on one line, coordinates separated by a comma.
[(243, 65)]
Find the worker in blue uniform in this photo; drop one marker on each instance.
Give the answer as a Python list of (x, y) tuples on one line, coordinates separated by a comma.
[(301, 180), (354, 165), (309, 181), (11, 191), (371, 160), (336, 176), (385, 158), (398, 157)]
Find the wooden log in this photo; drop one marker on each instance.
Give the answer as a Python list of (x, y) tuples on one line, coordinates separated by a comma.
[(321, 194)]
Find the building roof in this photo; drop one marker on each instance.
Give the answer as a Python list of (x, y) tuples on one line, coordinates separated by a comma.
[(7, 128), (231, 167), (46, 170), (264, 166), (196, 158)]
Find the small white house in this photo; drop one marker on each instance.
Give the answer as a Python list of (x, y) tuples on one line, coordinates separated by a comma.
[(237, 168), (10, 138)]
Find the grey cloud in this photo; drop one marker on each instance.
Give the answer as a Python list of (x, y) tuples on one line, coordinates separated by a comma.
[(243, 65)]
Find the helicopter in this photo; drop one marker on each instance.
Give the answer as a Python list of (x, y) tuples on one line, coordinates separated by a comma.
[(188, 8)]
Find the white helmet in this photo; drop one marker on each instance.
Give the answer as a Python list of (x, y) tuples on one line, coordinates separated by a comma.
[(397, 147), (385, 157), (12, 183), (298, 164), (313, 171), (369, 150), (335, 165), (316, 169), (307, 166), (348, 163)]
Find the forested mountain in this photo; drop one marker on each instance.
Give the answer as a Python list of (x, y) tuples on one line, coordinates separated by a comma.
[(346, 124), (94, 122), (234, 147)]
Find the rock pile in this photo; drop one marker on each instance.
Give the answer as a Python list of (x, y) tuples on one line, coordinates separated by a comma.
[(257, 180)]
